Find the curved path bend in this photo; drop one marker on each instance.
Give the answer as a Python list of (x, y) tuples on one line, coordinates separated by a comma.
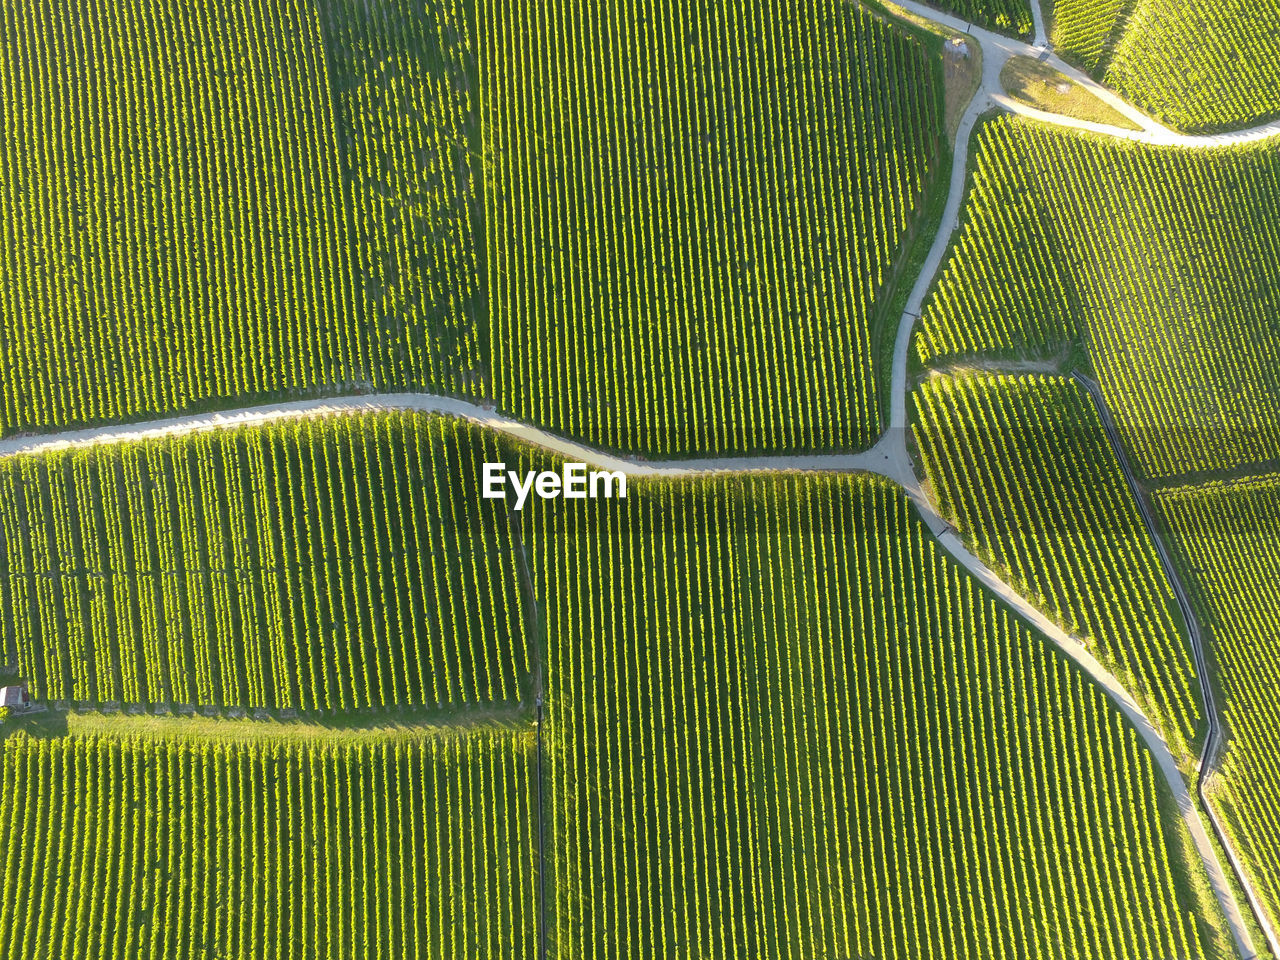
[(896, 464), (888, 458), (997, 49)]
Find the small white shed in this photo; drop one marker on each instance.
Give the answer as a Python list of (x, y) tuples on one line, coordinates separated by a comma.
[(14, 697)]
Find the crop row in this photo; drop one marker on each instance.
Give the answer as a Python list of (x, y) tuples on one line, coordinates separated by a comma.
[(332, 564), (1163, 264), (1230, 554), (1085, 31), (775, 708), (692, 213), (153, 849), (172, 212), (249, 202), (1201, 64), (662, 228), (1007, 16), (1022, 467), (1198, 65)]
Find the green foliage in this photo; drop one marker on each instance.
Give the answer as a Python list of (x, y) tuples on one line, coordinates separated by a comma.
[(1165, 263), (205, 203), (1201, 64), (331, 564), (782, 724), (153, 849), (1023, 469), (1230, 555), (1084, 31), (1198, 65), (174, 224), (691, 210), (1007, 16), (404, 79)]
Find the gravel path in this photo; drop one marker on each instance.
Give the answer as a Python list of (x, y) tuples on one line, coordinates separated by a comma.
[(997, 49)]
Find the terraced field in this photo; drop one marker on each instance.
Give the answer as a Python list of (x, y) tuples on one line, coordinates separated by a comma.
[(693, 214), (1160, 265), (178, 848), (775, 708), (334, 564), (1225, 534), (1021, 466), (1196, 64)]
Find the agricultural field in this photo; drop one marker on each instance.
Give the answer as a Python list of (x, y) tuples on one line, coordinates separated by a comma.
[(356, 196), (129, 847), (318, 565), (405, 84), (1195, 64), (1085, 31), (1022, 468), (1225, 534), (1158, 267), (172, 208), (775, 708), (278, 680), (300, 215), (693, 214), (1007, 16)]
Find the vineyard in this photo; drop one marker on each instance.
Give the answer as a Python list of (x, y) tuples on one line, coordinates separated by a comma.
[(405, 82), (1023, 469), (1162, 265), (662, 236), (172, 210), (694, 211), (1226, 538), (1008, 16), (301, 691), (776, 710), (1196, 64), (155, 849), (330, 564), (1085, 31)]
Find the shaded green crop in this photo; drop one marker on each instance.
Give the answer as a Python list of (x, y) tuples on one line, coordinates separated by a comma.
[(781, 723), (333, 564)]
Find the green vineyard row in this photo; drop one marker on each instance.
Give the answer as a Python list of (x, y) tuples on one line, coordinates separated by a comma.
[(1195, 64), (778, 710), (1226, 541), (659, 228), (1023, 469), (152, 849), (336, 564), (1007, 16), (1161, 265), (686, 255)]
